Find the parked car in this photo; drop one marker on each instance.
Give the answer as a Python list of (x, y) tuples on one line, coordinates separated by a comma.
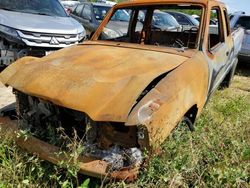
[(164, 22), (107, 2), (91, 14), (240, 19), (185, 20), (235, 13), (123, 93), (35, 28), (212, 21)]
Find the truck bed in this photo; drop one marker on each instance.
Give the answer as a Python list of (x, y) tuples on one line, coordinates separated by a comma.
[(238, 36)]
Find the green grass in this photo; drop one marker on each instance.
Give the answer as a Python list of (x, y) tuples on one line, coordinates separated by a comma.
[(217, 154)]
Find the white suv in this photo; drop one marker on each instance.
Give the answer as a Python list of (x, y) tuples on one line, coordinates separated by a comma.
[(35, 28)]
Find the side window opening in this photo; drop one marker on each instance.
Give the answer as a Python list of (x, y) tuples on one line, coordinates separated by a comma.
[(227, 22), (182, 20), (78, 10), (216, 34), (86, 13)]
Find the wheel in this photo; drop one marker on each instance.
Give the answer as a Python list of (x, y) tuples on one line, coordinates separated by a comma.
[(185, 121), (229, 77)]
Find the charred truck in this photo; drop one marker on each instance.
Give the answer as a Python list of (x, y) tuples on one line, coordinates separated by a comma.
[(126, 93)]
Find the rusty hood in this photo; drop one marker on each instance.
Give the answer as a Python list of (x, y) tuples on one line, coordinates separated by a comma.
[(104, 81)]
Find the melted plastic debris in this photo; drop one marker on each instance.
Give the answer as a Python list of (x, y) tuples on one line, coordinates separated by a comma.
[(116, 157)]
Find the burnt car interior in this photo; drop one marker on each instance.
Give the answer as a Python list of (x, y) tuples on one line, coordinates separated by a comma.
[(141, 31)]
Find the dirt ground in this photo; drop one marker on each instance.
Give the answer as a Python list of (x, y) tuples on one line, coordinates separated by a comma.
[(6, 96)]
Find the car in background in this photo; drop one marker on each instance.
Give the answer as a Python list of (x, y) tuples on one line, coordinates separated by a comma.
[(163, 21), (240, 19), (91, 14), (186, 21), (35, 28), (212, 21), (106, 2), (235, 13), (69, 5)]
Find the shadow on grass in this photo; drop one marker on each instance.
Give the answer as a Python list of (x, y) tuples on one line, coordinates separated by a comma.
[(243, 68)]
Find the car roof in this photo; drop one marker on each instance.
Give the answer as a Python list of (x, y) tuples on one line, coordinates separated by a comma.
[(172, 12), (204, 2), (98, 4)]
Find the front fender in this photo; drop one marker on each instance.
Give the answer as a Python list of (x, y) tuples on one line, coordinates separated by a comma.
[(164, 106)]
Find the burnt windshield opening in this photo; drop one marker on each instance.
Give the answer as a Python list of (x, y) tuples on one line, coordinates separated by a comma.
[(159, 25), (40, 7)]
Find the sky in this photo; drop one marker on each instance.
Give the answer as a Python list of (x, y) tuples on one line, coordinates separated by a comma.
[(238, 5)]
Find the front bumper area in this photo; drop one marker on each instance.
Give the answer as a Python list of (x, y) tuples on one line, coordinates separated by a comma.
[(88, 166)]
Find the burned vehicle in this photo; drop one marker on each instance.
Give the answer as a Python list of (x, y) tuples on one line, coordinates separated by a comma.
[(35, 28), (125, 93)]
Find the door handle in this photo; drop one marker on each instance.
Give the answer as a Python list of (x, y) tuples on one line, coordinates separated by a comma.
[(227, 53)]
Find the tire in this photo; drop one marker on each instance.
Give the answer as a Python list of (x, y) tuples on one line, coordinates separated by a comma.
[(229, 77), (185, 121)]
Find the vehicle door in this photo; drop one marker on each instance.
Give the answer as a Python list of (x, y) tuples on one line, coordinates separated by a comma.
[(218, 48), (88, 19), (228, 41)]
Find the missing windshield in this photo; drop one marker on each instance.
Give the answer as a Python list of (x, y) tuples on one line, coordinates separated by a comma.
[(174, 26)]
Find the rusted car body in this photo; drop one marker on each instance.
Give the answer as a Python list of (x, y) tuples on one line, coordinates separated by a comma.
[(129, 92)]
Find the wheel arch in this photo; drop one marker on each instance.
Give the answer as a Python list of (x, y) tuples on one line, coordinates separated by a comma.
[(192, 113)]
